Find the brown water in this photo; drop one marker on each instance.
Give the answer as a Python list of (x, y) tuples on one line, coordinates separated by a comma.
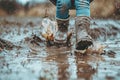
[(33, 60)]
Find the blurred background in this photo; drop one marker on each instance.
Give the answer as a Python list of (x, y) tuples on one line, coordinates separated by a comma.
[(44, 8), (25, 56)]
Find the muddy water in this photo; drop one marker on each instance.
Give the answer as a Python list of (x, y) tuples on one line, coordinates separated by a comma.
[(35, 61)]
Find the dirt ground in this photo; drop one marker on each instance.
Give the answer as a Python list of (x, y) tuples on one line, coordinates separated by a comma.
[(25, 56)]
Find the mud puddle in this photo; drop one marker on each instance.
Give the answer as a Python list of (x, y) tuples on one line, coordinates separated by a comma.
[(32, 60)]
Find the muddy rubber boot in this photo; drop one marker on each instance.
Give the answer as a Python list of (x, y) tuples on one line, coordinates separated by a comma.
[(61, 34), (83, 40)]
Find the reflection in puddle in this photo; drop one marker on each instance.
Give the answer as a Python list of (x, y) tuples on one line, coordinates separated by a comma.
[(71, 66), (60, 56)]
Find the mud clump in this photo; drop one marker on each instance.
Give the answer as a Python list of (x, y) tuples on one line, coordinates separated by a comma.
[(36, 40), (6, 44), (111, 53)]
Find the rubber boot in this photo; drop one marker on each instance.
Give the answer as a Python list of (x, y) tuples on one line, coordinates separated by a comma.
[(83, 40), (61, 34)]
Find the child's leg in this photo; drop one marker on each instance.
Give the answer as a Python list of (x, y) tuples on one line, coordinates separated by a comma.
[(62, 9), (82, 7), (82, 24)]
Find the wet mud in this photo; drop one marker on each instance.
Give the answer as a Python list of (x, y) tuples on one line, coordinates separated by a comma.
[(25, 56)]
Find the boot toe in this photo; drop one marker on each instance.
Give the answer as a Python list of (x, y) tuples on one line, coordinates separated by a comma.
[(84, 43)]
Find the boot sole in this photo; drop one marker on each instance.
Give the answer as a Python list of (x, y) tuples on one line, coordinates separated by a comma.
[(66, 43), (80, 51), (60, 41)]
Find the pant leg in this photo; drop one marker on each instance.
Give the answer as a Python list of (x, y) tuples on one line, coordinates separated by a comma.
[(82, 7), (62, 9)]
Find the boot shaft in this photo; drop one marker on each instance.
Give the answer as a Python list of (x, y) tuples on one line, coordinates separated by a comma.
[(82, 23), (63, 24)]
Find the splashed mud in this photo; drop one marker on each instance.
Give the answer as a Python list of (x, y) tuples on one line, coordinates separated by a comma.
[(31, 59)]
